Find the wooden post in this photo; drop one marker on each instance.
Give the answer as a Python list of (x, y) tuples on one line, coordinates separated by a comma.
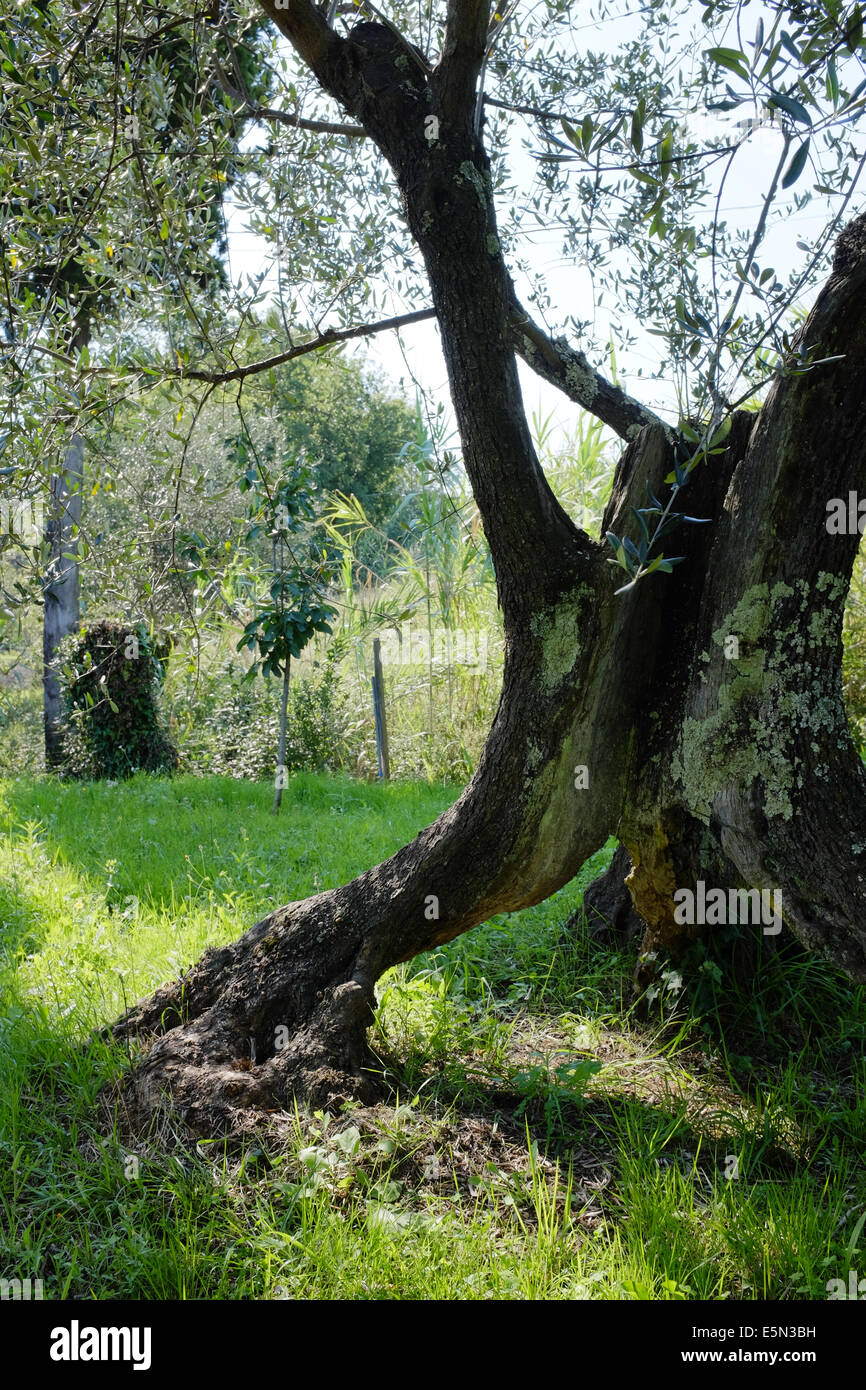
[(378, 684), (60, 585)]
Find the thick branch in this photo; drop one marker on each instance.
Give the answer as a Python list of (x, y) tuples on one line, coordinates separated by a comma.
[(448, 203), (462, 55), (767, 760), (308, 29), (248, 108), (568, 369), (456, 76)]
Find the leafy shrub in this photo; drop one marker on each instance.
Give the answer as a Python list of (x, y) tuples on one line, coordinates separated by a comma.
[(233, 725), (112, 678), (22, 729)]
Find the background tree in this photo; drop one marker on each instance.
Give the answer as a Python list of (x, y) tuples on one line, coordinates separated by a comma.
[(147, 501), (71, 270), (295, 609), (61, 587), (341, 414)]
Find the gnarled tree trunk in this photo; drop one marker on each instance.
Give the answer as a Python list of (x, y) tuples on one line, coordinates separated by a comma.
[(629, 715)]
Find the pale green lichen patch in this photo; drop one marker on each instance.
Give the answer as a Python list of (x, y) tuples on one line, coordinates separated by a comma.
[(823, 625), (781, 694), (835, 584), (474, 176), (732, 746), (579, 375), (493, 244), (750, 617), (559, 631)]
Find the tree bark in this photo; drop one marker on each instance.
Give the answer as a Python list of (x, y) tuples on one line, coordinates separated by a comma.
[(60, 586), (607, 907), (624, 715), (749, 771)]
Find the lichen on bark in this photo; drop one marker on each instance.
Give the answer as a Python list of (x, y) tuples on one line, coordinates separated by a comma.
[(558, 629), (781, 689)]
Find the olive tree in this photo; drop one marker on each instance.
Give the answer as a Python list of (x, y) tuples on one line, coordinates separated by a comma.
[(686, 699)]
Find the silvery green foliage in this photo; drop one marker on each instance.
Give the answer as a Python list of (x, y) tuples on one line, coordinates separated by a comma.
[(123, 150)]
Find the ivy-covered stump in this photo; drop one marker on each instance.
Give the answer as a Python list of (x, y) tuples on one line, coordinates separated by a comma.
[(112, 675)]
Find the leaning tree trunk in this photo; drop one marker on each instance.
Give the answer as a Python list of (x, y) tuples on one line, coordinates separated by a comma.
[(618, 714), (60, 586)]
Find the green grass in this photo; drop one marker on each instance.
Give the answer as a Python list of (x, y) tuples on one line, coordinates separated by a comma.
[(545, 1139)]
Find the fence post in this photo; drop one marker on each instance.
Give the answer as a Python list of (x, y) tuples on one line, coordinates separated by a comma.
[(378, 684)]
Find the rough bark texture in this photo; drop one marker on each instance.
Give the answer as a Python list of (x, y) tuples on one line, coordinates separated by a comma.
[(732, 769), (748, 767), (61, 585), (607, 908)]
